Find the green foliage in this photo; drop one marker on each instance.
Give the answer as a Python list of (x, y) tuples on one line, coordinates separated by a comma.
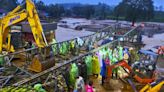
[(8, 5), (102, 11), (115, 18), (158, 17), (40, 5), (86, 11), (120, 10), (131, 10), (55, 10), (135, 9)]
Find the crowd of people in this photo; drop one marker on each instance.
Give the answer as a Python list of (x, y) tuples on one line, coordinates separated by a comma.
[(81, 86)]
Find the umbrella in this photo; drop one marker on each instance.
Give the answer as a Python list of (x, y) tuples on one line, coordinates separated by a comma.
[(146, 52)]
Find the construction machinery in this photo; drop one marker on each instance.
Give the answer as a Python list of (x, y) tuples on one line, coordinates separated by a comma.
[(26, 11), (130, 71), (16, 16), (143, 71), (154, 86)]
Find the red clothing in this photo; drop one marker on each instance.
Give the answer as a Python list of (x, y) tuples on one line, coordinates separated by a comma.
[(107, 61), (89, 88)]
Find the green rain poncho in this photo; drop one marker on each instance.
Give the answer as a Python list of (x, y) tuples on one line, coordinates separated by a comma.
[(72, 44), (64, 48), (54, 46), (95, 65), (33, 46), (73, 74), (74, 48), (115, 56), (114, 60), (88, 61), (104, 52), (110, 54), (38, 88), (120, 52), (1, 60)]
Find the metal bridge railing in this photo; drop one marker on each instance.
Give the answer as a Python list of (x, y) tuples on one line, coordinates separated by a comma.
[(55, 69), (25, 56)]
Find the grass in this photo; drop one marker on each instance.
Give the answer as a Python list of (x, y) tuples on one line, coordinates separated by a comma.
[(156, 19)]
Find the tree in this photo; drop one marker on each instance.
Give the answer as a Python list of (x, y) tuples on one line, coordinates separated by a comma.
[(67, 12), (77, 11), (88, 11), (55, 10), (8, 5), (102, 11), (120, 10), (40, 5), (136, 9), (85, 11)]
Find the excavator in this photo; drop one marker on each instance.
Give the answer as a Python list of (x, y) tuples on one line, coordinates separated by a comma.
[(151, 84), (154, 86), (24, 12), (130, 71)]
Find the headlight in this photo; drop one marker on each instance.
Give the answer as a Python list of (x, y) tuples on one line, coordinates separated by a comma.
[(121, 39), (111, 38)]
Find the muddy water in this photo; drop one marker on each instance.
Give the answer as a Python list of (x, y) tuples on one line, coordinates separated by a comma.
[(63, 34), (156, 40)]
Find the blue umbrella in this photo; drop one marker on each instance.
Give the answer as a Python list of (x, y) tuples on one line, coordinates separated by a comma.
[(146, 52)]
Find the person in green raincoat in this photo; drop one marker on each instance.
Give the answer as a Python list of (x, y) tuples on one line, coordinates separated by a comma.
[(113, 61), (54, 46), (1, 60), (64, 48), (120, 52), (104, 52), (88, 61), (38, 88), (73, 74), (74, 48), (33, 46), (72, 45), (110, 54)]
